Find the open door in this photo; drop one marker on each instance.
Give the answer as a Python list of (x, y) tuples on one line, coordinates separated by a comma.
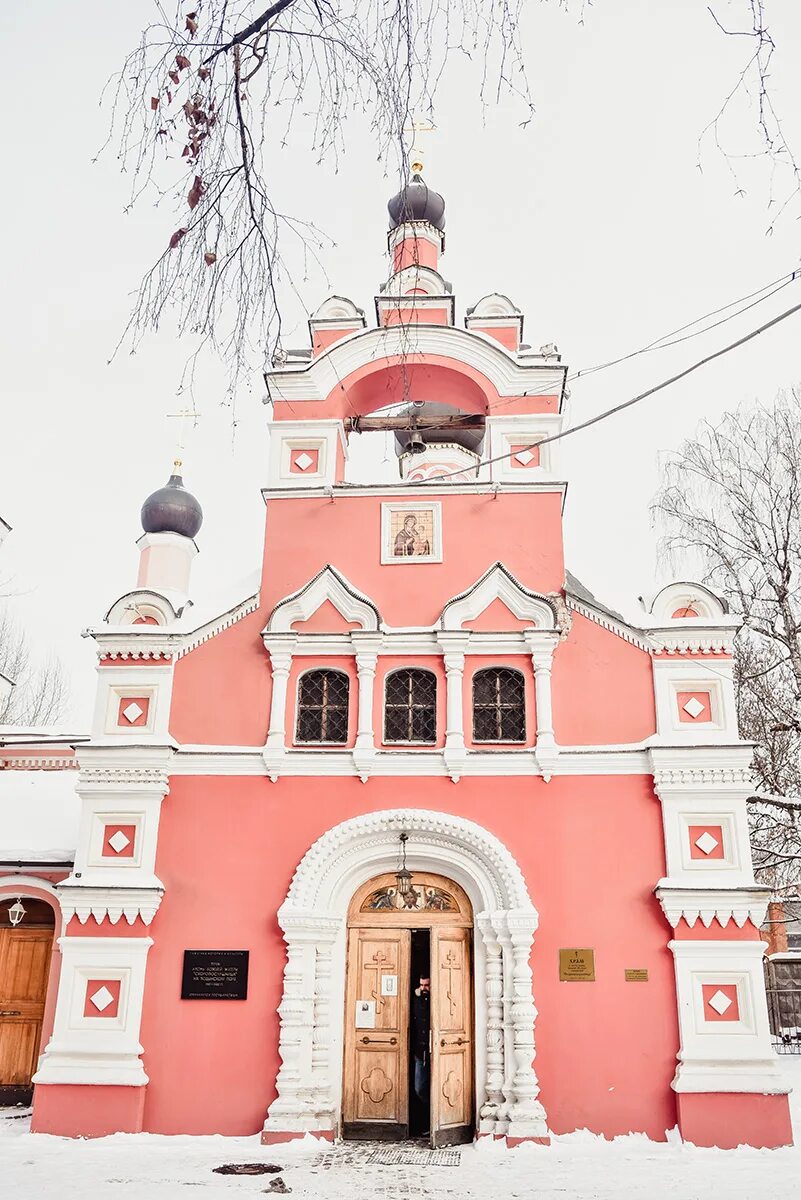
[(451, 1037), (376, 1082)]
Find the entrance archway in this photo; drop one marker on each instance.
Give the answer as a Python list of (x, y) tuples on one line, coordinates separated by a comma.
[(313, 919), (408, 1022), (28, 982)]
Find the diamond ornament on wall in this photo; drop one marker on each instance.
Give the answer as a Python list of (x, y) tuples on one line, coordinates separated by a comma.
[(132, 712), (694, 707), (304, 461), (118, 841), (706, 842), (101, 998), (525, 457), (720, 1002)]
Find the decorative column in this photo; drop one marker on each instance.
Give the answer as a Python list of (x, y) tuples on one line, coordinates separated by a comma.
[(541, 646), (526, 1115), (367, 646), (294, 1110), (490, 1110), (275, 746), (453, 645)]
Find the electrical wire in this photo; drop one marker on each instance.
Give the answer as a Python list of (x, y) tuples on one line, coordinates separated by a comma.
[(610, 412)]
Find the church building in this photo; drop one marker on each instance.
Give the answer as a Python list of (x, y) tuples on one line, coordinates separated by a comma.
[(420, 749)]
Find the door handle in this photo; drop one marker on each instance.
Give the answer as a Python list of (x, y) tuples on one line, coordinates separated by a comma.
[(11, 1012), (393, 1041), (460, 1041)]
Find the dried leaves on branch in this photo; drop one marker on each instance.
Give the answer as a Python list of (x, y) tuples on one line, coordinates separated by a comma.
[(730, 510), (203, 105), (39, 694)]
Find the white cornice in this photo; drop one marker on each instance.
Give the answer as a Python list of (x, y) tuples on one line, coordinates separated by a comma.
[(684, 639), (427, 488), (722, 904), (108, 903), (629, 634), (317, 379), (217, 624)]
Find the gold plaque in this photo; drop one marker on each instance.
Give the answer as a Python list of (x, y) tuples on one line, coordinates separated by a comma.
[(576, 966), (636, 975)]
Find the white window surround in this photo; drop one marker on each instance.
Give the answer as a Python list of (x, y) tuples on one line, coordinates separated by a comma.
[(313, 919), (97, 1050), (724, 1056)]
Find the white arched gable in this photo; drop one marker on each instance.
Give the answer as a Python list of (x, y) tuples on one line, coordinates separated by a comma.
[(416, 279), (494, 305), (498, 584), (329, 585), (685, 594), (142, 603), (337, 308)]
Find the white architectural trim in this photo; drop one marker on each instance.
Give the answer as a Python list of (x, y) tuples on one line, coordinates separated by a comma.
[(97, 1049), (414, 283), (724, 904), (710, 608), (24, 885), (210, 629), (109, 903), (144, 602), (627, 632), (313, 918), (724, 1056), (499, 584), (329, 585), (509, 377)]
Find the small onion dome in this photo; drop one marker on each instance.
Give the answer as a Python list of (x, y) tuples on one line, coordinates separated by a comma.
[(417, 202), (172, 509), (469, 438)]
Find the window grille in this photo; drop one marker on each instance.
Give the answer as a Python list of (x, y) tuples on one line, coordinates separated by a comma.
[(323, 707), (410, 707), (499, 705)]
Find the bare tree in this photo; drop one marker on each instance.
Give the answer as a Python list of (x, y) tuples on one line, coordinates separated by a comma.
[(730, 507), (204, 103), (39, 696)]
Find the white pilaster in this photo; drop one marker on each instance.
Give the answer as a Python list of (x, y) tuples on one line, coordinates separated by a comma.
[(280, 663), (541, 648), (367, 646), (490, 1110), (453, 646)]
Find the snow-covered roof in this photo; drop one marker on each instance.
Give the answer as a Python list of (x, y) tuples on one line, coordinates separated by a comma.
[(39, 813)]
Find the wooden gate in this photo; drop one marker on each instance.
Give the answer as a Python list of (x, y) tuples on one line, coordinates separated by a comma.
[(24, 969)]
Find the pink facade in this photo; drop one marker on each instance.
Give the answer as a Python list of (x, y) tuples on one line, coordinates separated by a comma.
[(591, 804)]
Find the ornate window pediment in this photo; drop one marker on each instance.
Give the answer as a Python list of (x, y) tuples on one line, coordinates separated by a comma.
[(329, 585), (499, 584)]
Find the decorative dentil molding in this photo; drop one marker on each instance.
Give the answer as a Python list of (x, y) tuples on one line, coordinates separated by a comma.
[(108, 904), (709, 904)]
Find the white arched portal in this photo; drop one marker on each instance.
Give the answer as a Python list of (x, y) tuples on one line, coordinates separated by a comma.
[(313, 919)]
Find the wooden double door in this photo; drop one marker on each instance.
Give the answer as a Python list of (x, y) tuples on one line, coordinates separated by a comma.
[(379, 1056), (24, 970)]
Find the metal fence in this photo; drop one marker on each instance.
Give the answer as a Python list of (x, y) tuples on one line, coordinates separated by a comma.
[(784, 1013)]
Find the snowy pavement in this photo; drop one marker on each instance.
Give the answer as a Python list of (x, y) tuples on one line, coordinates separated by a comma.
[(580, 1166)]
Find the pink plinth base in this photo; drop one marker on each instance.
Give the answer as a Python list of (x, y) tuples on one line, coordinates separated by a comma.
[(727, 1120), (511, 1142), (87, 1110), (276, 1137)]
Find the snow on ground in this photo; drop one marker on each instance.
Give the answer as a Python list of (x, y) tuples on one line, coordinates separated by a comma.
[(576, 1167)]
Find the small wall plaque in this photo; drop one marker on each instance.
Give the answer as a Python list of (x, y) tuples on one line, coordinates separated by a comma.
[(636, 975), (389, 985), (577, 966), (365, 1014), (215, 975)]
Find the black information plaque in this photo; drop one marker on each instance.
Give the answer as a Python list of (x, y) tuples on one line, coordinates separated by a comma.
[(215, 975)]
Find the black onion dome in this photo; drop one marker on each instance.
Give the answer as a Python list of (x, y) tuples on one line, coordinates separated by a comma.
[(172, 509), (469, 438), (417, 202)]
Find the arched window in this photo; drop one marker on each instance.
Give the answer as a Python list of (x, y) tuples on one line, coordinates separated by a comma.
[(323, 707), (410, 707), (499, 705)]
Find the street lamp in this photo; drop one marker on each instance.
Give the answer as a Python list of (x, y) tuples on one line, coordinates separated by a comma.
[(403, 875), (16, 912)]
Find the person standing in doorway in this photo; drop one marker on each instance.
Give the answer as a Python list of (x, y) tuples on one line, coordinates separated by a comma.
[(421, 1039)]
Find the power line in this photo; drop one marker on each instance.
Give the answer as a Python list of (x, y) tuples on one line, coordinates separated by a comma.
[(610, 412)]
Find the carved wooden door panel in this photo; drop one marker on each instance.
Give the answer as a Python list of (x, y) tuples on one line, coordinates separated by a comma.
[(451, 1037), (376, 1083), (24, 969)]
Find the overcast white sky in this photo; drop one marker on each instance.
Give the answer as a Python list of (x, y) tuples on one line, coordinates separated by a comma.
[(594, 219)]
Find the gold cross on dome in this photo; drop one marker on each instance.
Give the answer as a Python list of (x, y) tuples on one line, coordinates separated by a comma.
[(416, 153), (184, 416)]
